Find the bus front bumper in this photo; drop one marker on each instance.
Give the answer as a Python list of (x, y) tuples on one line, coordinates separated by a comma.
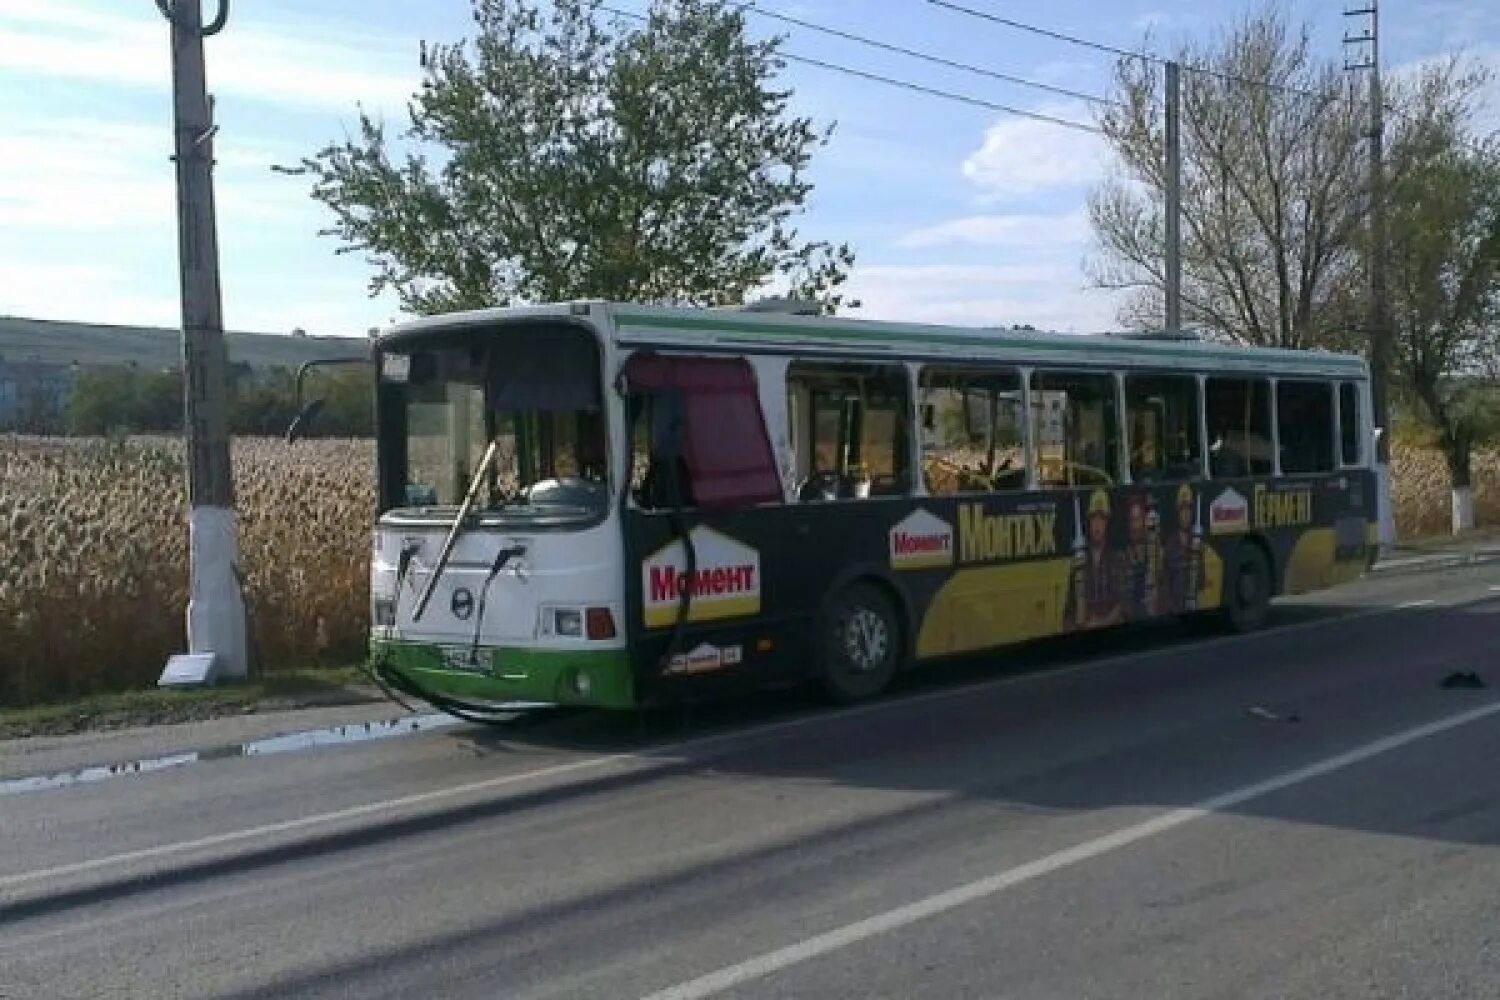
[(495, 675)]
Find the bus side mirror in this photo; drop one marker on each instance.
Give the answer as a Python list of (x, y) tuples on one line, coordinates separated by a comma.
[(304, 420)]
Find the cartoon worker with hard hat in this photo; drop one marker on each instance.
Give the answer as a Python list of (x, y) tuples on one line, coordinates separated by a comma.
[(1095, 598), (1184, 555)]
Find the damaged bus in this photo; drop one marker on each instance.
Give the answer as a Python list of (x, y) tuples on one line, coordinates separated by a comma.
[(615, 506)]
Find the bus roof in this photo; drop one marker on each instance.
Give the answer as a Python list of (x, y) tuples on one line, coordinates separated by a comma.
[(745, 331)]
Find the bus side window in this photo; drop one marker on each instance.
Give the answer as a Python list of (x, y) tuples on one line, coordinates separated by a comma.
[(659, 476), (850, 425), (972, 436), (1304, 418), (1076, 426), (1349, 425), (1163, 415), (706, 440), (1239, 427)]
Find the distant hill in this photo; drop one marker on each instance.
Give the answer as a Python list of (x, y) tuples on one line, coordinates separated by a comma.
[(48, 342)]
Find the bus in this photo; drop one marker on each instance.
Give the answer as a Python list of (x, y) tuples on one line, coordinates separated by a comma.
[(612, 505)]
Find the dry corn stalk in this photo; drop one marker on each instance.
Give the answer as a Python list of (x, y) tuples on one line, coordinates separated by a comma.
[(93, 557), (93, 554)]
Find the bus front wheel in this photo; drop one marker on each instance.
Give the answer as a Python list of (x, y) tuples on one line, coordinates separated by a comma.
[(1247, 589), (861, 645)]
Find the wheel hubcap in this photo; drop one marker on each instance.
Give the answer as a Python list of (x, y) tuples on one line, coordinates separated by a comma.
[(1249, 588), (866, 640)]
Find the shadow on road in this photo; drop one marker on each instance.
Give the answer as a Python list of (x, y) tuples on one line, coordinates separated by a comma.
[(1162, 730)]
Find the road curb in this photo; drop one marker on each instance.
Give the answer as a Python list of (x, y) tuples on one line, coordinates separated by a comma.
[(1427, 564)]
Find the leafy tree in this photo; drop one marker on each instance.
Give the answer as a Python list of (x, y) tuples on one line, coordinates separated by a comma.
[(1445, 292), (1273, 179), (36, 412), (125, 399), (100, 401), (262, 404), (349, 407), (561, 156)]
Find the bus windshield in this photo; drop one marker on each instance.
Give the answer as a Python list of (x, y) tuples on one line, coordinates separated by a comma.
[(535, 393)]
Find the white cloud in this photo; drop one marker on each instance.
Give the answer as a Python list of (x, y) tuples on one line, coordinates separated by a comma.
[(1021, 156), (82, 175), (1030, 233), (127, 294), (1048, 297), (98, 176), (285, 64), (84, 293)]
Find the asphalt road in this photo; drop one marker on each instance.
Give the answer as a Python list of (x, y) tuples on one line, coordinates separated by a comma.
[(1305, 812)]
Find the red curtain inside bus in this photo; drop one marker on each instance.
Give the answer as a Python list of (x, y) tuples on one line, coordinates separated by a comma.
[(724, 442)]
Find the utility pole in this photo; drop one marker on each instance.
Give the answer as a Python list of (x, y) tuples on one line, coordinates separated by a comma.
[(216, 607), (1174, 198), (1362, 54)]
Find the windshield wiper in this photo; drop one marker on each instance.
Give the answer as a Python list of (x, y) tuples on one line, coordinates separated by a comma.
[(456, 529)]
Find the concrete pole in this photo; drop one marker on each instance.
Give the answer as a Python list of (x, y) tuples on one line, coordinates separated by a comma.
[(216, 609), (1174, 199), (1380, 301)]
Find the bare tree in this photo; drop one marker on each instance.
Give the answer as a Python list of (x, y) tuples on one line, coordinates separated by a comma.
[(1273, 182)]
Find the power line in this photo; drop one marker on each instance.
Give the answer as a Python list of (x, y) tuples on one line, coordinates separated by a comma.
[(1150, 57), (946, 94), (1143, 56), (752, 8), (918, 88), (1044, 32)]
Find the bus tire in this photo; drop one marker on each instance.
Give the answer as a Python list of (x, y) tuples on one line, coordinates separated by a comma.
[(860, 644), (1247, 589)]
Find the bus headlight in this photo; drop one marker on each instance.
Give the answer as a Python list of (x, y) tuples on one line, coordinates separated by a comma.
[(596, 622), (568, 622), (581, 684)]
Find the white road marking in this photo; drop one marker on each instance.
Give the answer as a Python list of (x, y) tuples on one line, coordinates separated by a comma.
[(302, 822), (1428, 602), (670, 753), (902, 916)]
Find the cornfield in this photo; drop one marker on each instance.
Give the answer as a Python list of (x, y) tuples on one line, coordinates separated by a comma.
[(1423, 497), (93, 558), (93, 553)]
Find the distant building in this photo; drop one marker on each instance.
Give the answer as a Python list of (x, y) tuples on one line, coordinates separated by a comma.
[(40, 359), (33, 394)]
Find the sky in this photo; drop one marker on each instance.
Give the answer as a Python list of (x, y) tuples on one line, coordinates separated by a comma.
[(959, 214)]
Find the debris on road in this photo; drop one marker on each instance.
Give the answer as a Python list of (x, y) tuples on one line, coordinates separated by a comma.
[(1265, 714), (1462, 679)]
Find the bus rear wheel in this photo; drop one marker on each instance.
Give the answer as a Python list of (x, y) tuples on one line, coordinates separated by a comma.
[(1247, 589), (861, 645)]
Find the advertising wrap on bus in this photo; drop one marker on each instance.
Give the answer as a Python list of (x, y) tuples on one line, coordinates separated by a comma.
[(725, 581), (921, 541), (1229, 514), (716, 501)]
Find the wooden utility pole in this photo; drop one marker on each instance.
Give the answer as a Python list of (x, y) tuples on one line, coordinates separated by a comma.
[(1174, 198), (1362, 53), (216, 608)]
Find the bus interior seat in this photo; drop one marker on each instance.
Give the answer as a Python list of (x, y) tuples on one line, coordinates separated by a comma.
[(821, 486)]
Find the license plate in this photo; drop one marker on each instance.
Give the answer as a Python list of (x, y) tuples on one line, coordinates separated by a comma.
[(466, 658)]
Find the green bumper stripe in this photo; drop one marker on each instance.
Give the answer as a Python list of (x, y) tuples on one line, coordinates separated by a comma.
[(514, 674)]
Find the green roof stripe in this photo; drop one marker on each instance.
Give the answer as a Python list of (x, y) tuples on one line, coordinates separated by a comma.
[(749, 327)]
